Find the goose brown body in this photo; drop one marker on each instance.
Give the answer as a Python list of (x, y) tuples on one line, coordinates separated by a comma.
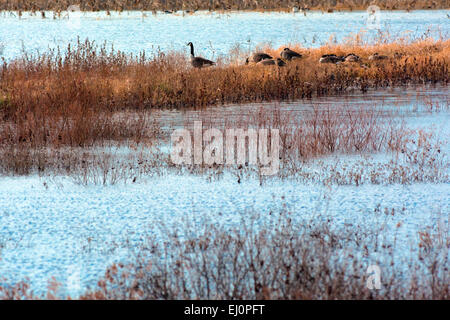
[(199, 62), (259, 56), (331, 58), (272, 62), (288, 54), (352, 58), (376, 56)]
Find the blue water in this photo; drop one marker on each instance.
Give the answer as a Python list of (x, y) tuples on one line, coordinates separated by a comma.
[(212, 33)]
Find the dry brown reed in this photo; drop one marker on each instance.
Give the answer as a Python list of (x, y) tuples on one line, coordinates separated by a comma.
[(193, 5), (77, 99), (311, 259)]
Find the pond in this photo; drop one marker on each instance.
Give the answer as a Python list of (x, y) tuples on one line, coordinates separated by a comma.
[(410, 101), (53, 227), (213, 33)]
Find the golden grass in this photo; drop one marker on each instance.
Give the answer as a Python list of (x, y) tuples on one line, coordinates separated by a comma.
[(72, 98), (86, 82), (83, 79)]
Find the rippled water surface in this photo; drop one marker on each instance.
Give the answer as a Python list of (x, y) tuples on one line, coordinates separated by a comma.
[(412, 101), (53, 227), (213, 33)]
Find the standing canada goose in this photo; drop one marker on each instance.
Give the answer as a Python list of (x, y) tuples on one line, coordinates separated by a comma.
[(331, 58), (351, 57), (259, 56), (376, 56), (199, 62), (288, 54), (272, 62)]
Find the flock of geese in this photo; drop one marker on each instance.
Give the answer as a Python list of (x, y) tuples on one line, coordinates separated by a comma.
[(261, 58)]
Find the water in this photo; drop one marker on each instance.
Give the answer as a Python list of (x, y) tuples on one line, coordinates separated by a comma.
[(212, 33), (411, 101), (51, 227)]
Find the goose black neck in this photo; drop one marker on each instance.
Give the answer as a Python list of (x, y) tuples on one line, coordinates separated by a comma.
[(192, 49)]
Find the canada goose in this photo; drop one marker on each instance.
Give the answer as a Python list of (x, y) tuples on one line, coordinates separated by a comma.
[(288, 54), (272, 62), (331, 58), (257, 57), (351, 57), (199, 62), (376, 56)]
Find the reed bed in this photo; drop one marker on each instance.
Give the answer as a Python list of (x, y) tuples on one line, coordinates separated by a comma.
[(312, 259), (87, 78), (306, 143), (194, 5), (90, 77), (91, 96)]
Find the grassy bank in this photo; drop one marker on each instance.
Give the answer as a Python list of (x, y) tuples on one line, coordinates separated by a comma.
[(89, 96), (92, 79), (285, 5)]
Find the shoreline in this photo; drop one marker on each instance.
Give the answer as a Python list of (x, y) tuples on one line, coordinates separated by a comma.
[(116, 80), (222, 11)]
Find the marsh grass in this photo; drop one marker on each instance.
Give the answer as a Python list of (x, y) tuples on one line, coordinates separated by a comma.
[(220, 5), (310, 259), (55, 104), (329, 145), (290, 261), (69, 98)]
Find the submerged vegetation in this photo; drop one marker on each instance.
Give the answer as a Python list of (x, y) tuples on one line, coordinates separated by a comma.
[(54, 105), (293, 259), (173, 5), (96, 115)]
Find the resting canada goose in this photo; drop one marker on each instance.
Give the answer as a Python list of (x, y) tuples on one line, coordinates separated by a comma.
[(288, 54), (272, 62), (199, 62), (257, 57), (351, 57), (376, 56), (331, 58)]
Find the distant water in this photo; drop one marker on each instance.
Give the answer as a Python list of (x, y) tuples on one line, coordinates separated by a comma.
[(212, 33)]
